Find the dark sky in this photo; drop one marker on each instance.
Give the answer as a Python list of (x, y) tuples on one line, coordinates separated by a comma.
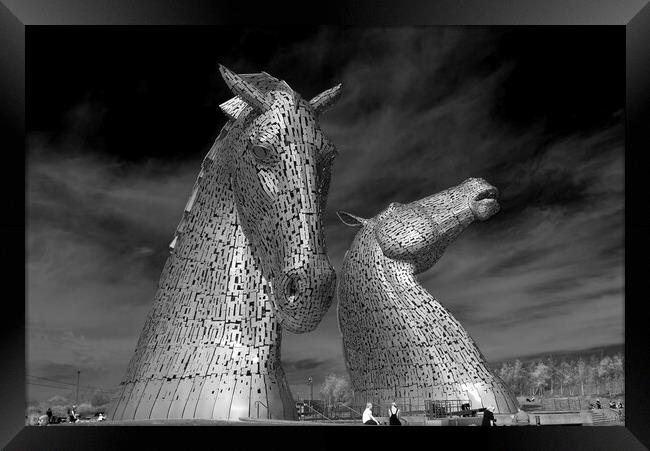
[(120, 118)]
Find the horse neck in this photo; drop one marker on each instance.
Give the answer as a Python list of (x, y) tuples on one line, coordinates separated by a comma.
[(213, 314), (420, 311), (218, 265)]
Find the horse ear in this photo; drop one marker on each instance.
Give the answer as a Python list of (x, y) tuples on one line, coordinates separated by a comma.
[(233, 107), (350, 219), (247, 91), (326, 99)]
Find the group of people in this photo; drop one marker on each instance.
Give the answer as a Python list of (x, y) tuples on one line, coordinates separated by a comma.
[(393, 418), (612, 405), (50, 418), (71, 417)]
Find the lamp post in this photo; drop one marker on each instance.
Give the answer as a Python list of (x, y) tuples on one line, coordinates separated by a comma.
[(311, 390), (77, 397)]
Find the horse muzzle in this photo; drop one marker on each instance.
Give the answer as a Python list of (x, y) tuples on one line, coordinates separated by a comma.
[(304, 294)]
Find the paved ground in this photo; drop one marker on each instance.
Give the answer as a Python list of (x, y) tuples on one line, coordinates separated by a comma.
[(205, 423)]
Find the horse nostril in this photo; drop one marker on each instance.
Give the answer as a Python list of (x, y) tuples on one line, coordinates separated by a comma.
[(291, 289)]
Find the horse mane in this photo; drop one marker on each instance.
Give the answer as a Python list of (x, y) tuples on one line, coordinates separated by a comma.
[(234, 107)]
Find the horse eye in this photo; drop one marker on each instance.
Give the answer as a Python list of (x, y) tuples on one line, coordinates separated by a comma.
[(264, 154), (261, 153)]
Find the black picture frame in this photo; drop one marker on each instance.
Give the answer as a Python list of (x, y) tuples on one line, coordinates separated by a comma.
[(16, 16)]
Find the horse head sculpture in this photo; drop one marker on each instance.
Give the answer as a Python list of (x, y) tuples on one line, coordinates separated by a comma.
[(248, 260), (280, 173), (419, 232), (399, 342)]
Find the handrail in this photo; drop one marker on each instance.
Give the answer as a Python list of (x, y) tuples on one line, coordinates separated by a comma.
[(257, 403), (350, 408), (328, 419)]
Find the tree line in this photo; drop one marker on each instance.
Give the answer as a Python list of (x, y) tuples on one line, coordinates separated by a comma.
[(551, 376), (541, 377)]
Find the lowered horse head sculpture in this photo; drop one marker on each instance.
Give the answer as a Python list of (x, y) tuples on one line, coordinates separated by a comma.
[(399, 342), (247, 260)]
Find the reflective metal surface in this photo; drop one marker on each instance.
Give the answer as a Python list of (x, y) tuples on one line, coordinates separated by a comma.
[(247, 260), (400, 344)]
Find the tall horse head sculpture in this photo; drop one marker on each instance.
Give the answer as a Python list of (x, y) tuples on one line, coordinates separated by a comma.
[(280, 172), (399, 342), (247, 260)]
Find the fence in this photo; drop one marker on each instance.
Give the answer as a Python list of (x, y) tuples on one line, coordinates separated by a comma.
[(448, 407), (575, 390), (572, 403), (576, 403), (319, 411)]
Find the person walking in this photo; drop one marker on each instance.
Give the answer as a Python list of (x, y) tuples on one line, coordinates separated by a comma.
[(367, 417), (393, 411)]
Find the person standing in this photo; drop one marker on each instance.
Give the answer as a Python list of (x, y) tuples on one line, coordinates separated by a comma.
[(393, 411), (367, 417), (49, 415), (488, 417)]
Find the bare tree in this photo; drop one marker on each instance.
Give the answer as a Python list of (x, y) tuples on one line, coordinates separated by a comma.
[(581, 370), (540, 376), (566, 375), (618, 368), (518, 376), (573, 377), (336, 389)]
